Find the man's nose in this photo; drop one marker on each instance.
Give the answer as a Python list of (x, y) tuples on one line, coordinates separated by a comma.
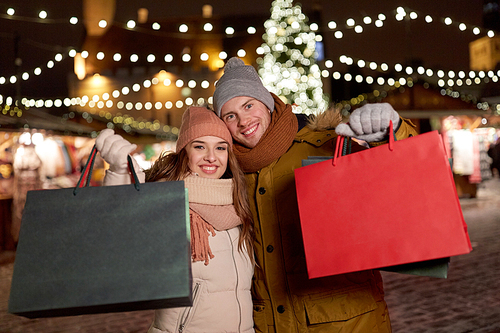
[(244, 121)]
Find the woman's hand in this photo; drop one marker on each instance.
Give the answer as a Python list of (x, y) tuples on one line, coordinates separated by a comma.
[(114, 149)]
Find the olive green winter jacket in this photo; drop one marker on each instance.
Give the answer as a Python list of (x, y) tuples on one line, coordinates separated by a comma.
[(285, 300)]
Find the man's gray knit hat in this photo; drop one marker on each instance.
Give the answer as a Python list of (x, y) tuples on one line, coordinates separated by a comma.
[(240, 80)]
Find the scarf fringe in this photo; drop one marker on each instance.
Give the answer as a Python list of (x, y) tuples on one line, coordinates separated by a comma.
[(200, 230)]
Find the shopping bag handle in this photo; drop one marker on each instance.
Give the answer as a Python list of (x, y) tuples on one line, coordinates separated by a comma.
[(346, 144), (86, 175)]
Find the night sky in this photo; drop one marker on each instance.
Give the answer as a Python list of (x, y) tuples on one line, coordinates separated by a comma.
[(433, 45)]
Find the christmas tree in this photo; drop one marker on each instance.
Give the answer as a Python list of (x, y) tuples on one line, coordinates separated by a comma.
[(288, 67)]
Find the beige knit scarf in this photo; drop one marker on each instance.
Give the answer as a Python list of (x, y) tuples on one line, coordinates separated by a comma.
[(274, 142), (210, 208)]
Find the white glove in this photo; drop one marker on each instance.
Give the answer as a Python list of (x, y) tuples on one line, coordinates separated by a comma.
[(370, 122), (114, 149)]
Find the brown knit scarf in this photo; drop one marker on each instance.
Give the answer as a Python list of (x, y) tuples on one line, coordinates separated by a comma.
[(210, 208), (274, 142)]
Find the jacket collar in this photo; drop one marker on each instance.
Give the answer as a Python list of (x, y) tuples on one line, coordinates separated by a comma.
[(316, 138)]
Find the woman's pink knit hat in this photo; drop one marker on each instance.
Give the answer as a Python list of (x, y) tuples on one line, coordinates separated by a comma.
[(198, 122)]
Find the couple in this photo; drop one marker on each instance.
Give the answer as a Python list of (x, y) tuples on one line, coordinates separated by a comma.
[(238, 165)]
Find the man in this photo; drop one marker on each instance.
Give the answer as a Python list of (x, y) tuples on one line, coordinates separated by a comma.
[(270, 143)]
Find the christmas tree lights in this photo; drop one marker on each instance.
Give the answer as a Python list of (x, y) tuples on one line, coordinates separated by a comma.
[(287, 67)]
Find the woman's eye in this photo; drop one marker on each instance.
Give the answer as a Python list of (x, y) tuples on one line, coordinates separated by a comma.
[(221, 148), (198, 147)]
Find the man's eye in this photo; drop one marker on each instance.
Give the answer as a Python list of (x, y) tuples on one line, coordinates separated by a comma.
[(248, 106)]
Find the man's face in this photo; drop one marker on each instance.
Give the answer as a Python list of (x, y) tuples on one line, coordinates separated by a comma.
[(247, 119)]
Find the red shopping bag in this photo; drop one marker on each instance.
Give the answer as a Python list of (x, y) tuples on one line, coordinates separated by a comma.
[(385, 206)]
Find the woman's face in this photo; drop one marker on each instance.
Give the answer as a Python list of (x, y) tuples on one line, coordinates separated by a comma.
[(208, 156)]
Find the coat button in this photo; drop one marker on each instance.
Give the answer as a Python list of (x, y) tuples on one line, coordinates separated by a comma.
[(270, 248), (281, 309), (262, 190)]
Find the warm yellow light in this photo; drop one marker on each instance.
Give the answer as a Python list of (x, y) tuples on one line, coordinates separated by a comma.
[(142, 15), (79, 66), (162, 75), (97, 80)]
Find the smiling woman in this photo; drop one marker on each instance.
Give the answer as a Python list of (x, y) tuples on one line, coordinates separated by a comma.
[(221, 222), (207, 156)]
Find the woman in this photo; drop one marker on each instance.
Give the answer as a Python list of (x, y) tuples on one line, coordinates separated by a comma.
[(222, 265)]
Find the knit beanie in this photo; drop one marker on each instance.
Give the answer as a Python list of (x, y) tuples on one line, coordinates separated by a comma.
[(198, 122), (240, 80)]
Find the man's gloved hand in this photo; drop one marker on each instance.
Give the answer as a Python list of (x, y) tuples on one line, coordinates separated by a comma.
[(114, 149), (370, 122)]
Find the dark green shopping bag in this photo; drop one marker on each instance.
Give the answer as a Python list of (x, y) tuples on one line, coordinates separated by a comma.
[(90, 250)]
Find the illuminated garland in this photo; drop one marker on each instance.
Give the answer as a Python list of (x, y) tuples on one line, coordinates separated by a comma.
[(452, 78), (401, 14)]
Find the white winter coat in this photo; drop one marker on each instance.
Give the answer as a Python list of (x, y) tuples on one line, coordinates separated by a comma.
[(222, 300)]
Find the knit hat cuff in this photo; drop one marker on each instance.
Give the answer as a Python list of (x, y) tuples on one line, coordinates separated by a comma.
[(240, 87), (204, 129), (198, 122)]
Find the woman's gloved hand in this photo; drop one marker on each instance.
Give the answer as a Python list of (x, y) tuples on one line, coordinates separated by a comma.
[(114, 149), (370, 122)]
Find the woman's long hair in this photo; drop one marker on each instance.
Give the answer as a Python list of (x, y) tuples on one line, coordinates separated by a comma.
[(172, 166)]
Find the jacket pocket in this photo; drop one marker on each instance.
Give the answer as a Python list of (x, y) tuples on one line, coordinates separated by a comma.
[(328, 307), (188, 312), (259, 317)]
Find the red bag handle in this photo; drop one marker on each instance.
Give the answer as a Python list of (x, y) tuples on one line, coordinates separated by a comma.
[(86, 175), (392, 136), (340, 142)]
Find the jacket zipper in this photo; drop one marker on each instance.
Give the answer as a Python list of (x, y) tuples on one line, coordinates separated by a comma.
[(187, 310), (237, 281)]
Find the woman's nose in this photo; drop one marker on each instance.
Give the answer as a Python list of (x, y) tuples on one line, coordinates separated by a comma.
[(210, 156)]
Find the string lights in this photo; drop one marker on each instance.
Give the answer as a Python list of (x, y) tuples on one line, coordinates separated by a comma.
[(350, 24), (400, 14), (450, 77), (99, 106)]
